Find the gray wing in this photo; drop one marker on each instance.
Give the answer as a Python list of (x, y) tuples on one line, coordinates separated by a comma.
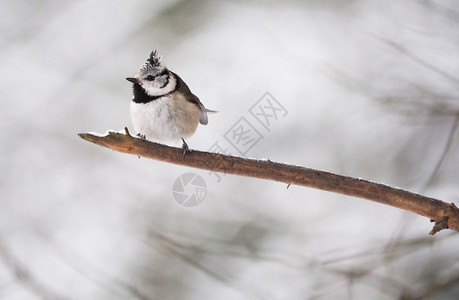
[(183, 88), (202, 110)]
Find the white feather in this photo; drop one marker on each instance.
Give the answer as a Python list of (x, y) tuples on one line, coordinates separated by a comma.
[(166, 119)]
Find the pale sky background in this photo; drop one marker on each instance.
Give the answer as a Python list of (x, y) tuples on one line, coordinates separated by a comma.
[(370, 89)]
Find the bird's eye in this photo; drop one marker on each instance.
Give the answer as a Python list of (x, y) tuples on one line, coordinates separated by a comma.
[(150, 78)]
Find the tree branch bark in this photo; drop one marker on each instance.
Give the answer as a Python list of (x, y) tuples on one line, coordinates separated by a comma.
[(445, 215)]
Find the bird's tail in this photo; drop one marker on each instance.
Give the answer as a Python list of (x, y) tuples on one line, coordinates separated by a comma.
[(211, 111)]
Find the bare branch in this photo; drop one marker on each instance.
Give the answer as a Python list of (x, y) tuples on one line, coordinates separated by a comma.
[(445, 215)]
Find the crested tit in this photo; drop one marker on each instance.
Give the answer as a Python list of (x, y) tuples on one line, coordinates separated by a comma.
[(163, 108)]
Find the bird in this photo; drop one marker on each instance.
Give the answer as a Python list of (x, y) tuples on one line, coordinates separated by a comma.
[(163, 108)]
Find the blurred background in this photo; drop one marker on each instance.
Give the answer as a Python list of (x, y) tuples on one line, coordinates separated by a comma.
[(369, 89)]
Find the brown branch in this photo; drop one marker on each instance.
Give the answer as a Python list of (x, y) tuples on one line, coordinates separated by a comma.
[(445, 215)]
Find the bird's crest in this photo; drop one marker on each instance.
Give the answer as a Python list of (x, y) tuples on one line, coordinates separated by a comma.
[(155, 58), (153, 65)]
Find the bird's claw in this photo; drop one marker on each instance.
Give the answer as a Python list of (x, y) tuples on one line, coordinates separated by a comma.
[(185, 148), (142, 136)]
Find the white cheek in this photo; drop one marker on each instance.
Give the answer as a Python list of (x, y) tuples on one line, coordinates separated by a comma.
[(153, 88)]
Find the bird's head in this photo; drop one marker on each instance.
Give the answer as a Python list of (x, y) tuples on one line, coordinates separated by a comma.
[(154, 77)]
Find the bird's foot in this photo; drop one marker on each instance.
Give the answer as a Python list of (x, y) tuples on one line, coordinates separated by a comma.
[(185, 148), (142, 136)]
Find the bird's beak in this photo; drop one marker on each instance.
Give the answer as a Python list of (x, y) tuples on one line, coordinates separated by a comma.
[(132, 79)]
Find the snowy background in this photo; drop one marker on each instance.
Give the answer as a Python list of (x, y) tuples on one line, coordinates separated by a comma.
[(370, 88)]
